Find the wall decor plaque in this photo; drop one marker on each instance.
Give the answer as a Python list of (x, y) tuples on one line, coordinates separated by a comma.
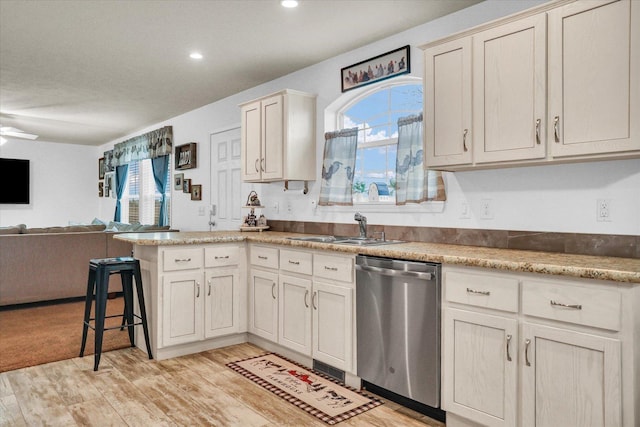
[(186, 156)]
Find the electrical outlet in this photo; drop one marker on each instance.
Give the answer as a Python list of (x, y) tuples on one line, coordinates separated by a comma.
[(486, 209), (603, 210)]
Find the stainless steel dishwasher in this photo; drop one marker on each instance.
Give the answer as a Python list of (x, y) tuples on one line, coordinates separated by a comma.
[(398, 327)]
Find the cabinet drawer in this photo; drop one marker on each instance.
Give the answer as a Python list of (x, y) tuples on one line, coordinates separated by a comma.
[(295, 261), (583, 305), (221, 256), (333, 267), (482, 290), (182, 259), (264, 257)]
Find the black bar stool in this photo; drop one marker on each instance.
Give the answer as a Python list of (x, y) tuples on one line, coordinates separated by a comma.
[(99, 271)]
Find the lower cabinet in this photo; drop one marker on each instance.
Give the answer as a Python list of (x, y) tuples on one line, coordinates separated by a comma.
[(555, 359), (482, 382), (294, 308), (263, 304)]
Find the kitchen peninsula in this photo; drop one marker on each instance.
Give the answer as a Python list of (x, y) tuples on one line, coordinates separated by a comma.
[(545, 310)]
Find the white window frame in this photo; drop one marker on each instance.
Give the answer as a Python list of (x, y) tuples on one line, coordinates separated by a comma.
[(332, 122), (146, 178)]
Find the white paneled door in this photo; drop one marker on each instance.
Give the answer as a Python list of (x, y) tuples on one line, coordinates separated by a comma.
[(225, 183)]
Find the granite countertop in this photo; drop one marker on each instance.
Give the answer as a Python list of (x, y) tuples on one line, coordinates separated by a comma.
[(591, 267)]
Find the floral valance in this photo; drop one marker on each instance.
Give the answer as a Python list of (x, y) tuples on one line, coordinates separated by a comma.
[(150, 145)]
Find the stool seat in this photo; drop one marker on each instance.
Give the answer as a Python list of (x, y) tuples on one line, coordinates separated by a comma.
[(100, 269)]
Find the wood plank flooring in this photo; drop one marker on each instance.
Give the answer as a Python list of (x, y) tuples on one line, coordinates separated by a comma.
[(130, 390)]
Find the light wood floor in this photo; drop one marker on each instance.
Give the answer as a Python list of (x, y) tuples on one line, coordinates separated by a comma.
[(130, 390)]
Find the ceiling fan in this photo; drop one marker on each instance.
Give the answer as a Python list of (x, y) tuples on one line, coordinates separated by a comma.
[(14, 133)]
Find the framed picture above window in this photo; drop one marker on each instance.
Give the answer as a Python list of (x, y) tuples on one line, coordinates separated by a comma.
[(186, 156), (381, 67)]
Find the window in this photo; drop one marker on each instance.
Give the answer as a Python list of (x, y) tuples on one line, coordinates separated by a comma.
[(141, 200), (376, 116)]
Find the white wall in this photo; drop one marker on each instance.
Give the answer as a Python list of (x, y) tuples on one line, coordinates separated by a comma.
[(542, 198), (64, 184)]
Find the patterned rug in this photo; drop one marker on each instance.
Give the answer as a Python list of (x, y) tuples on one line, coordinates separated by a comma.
[(316, 393)]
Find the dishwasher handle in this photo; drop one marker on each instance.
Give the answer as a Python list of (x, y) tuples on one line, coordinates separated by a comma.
[(396, 273)]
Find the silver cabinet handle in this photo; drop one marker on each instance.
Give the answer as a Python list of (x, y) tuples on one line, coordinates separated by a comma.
[(473, 291), (294, 262), (198, 290), (182, 259), (331, 268), (222, 257), (313, 300), (262, 257), (559, 304), (538, 131), (306, 294), (273, 287), (526, 352), (556, 134), (209, 283), (256, 165), (262, 162), (464, 139), (508, 345)]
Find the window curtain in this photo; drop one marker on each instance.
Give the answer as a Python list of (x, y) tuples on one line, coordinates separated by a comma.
[(338, 167), (414, 184), (160, 166), (157, 143), (121, 181)]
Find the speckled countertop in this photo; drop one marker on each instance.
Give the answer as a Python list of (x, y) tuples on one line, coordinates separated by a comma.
[(592, 267)]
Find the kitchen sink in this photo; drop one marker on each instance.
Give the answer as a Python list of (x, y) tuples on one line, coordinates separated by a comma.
[(345, 240)]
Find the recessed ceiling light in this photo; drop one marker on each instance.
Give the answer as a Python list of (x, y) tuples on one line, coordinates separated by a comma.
[(289, 3), (195, 55)]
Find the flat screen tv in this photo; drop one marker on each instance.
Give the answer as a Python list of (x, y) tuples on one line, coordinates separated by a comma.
[(14, 181)]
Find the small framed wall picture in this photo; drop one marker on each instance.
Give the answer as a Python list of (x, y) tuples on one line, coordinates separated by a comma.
[(101, 168), (186, 185), (196, 192), (100, 189), (177, 181), (186, 156)]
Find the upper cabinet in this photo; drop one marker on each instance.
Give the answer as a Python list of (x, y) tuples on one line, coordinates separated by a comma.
[(594, 101), (278, 137), (553, 84)]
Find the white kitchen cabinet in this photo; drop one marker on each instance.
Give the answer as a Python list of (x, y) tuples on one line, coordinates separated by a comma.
[(447, 104), (569, 378), (482, 383), (534, 350), (182, 310), (222, 302), (509, 91), (278, 137), (594, 78), (333, 324), (263, 304), (295, 313)]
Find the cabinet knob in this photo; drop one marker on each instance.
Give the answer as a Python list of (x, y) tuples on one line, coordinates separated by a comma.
[(464, 140), (526, 352), (508, 345), (313, 300), (256, 165), (306, 294), (556, 133), (538, 131)]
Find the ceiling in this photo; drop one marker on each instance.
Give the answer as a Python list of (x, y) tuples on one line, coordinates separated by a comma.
[(89, 72)]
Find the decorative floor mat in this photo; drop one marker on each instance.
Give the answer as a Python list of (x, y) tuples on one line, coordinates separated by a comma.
[(311, 391)]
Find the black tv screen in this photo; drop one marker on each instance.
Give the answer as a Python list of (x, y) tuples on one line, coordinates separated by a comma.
[(14, 181)]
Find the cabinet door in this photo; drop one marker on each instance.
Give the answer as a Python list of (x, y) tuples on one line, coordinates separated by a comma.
[(447, 101), (569, 378), (222, 304), (272, 138), (294, 323), (182, 299), (263, 304), (594, 93), (251, 141), (480, 367), (509, 91), (332, 324)]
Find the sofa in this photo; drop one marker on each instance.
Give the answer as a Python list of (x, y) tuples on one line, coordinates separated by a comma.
[(52, 263)]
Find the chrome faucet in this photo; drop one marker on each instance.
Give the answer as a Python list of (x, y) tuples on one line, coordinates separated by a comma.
[(363, 224)]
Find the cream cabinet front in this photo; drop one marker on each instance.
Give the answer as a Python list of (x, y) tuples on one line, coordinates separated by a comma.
[(534, 350), (278, 137), (594, 83), (263, 303), (556, 83), (182, 308)]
